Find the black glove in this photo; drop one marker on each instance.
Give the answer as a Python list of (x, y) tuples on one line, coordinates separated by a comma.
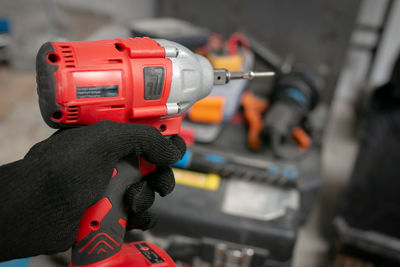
[(44, 195)]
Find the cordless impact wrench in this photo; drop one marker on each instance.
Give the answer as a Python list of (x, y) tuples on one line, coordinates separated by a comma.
[(131, 80)]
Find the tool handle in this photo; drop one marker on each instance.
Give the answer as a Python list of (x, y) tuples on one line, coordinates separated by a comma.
[(238, 167), (102, 227)]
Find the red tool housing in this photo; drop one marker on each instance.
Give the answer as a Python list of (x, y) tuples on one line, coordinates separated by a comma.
[(124, 80)]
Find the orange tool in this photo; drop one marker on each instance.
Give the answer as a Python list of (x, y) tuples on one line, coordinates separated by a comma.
[(302, 139), (208, 110), (253, 108)]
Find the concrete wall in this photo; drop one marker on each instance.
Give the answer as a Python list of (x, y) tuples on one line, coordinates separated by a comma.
[(37, 21), (363, 72)]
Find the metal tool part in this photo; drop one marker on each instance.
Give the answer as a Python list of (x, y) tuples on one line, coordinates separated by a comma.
[(233, 258), (247, 256), (220, 255), (223, 76), (250, 75)]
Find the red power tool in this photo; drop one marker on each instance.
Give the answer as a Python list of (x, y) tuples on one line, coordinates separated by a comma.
[(134, 80)]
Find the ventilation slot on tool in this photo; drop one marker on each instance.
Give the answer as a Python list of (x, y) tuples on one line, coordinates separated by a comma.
[(68, 56), (72, 113), (118, 106), (115, 60)]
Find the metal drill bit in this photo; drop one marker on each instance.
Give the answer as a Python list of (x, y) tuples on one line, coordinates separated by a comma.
[(250, 75), (223, 76)]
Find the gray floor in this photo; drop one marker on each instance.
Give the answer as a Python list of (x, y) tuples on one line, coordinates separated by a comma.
[(21, 126)]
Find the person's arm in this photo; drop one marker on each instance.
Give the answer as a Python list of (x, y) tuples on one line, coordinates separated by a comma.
[(44, 195)]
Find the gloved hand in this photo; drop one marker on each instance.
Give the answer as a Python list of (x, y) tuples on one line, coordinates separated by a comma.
[(44, 195)]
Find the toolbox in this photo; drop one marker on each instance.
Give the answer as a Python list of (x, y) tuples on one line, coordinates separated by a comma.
[(212, 218)]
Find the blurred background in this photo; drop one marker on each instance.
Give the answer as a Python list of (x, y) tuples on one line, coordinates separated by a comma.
[(328, 195)]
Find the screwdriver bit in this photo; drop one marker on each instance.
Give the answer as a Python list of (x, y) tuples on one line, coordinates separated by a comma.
[(223, 76)]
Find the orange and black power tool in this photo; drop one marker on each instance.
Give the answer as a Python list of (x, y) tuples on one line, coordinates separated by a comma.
[(131, 80)]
